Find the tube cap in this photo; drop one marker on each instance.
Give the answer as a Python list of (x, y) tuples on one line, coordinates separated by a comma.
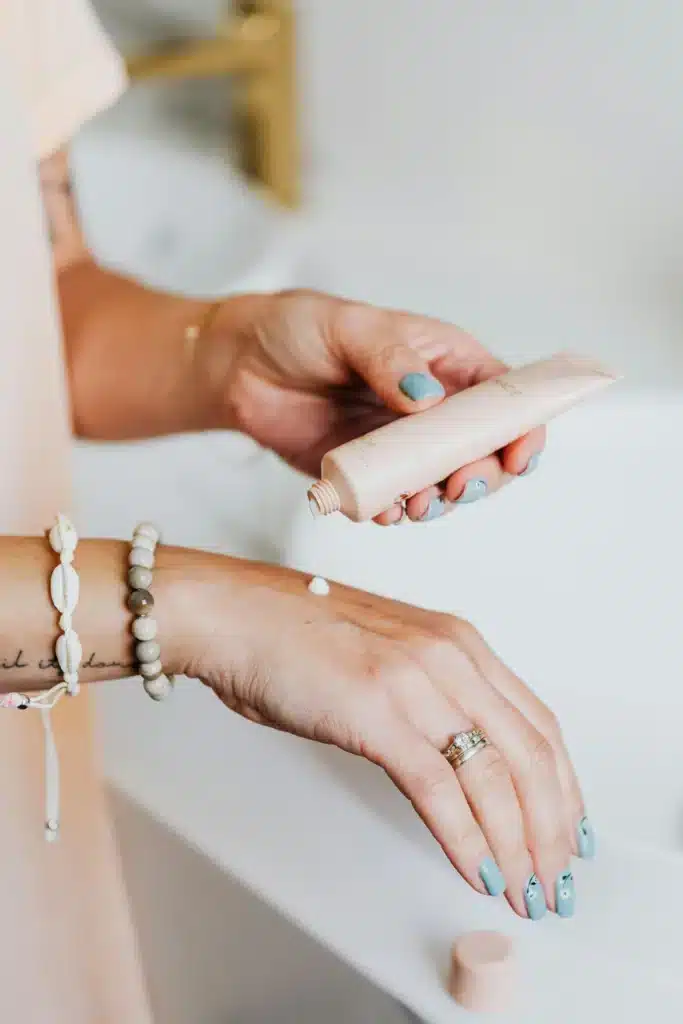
[(483, 977)]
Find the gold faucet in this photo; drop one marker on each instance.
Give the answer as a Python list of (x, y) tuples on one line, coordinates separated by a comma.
[(255, 43)]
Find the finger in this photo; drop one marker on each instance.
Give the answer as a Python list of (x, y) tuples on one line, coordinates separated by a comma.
[(427, 505), (392, 516), (376, 345), (520, 457), (412, 362), (486, 782), (490, 792), (475, 481), (579, 829), (528, 755), (387, 347), (464, 487), (425, 777), (535, 776)]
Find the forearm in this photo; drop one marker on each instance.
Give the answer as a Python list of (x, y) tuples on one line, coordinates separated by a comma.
[(28, 620), (131, 372)]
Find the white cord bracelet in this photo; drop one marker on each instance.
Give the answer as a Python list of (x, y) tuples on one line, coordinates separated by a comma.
[(64, 591)]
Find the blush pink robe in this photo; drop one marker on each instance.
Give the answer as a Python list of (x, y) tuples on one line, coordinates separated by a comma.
[(68, 952)]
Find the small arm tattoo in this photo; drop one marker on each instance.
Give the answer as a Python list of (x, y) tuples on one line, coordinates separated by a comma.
[(17, 660), (67, 240)]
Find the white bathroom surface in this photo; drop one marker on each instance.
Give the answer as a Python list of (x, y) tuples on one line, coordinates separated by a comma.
[(271, 812), (578, 589)]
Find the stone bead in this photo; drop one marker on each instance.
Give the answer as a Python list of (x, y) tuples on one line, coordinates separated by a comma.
[(144, 629), (140, 602), (140, 540), (150, 669), (141, 557), (140, 578), (158, 688), (147, 530), (147, 651)]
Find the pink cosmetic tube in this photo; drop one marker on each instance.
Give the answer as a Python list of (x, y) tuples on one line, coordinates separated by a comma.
[(371, 473)]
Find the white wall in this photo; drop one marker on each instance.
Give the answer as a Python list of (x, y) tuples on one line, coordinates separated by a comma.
[(513, 166), (516, 167)]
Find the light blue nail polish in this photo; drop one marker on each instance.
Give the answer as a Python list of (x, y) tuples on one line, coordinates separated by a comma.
[(435, 508), (534, 899), (564, 894), (474, 490), (421, 385), (585, 839), (492, 877), (531, 465)]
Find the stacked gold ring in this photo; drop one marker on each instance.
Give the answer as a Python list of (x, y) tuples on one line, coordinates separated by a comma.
[(465, 745)]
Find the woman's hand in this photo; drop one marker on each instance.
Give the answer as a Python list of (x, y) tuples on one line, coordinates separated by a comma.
[(310, 371), (394, 683)]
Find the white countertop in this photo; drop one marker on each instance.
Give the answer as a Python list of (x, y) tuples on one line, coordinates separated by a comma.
[(579, 591)]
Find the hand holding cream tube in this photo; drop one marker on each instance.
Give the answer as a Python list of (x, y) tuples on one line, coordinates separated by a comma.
[(369, 474)]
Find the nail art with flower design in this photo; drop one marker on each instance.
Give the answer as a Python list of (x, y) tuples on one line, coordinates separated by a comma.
[(564, 894), (534, 899)]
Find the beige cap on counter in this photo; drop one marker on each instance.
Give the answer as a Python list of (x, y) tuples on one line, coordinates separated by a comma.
[(483, 972)]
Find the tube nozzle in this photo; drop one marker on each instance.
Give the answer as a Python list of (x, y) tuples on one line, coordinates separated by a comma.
[(323, 499)]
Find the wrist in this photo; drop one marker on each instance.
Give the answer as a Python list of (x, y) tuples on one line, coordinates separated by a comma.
[(197, 606), (218, 349), (211, 612)]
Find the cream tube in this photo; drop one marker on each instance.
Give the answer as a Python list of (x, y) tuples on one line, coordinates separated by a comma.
[(369, 474)]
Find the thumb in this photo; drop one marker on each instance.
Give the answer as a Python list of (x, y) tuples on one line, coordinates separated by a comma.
[(398, 375)]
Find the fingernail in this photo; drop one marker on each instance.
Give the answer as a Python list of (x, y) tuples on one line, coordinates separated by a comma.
[(534, 899), (492, 877), (473, 491), (564, 894), (531, 465), (421, 385), (435, 508), (585, 839)]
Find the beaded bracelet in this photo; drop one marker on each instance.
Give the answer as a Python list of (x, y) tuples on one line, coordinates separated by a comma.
[(140, 601)]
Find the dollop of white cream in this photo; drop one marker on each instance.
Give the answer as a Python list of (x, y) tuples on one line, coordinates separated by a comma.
[(319, 586)]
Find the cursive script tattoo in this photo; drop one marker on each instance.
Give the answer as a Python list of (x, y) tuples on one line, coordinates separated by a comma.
[(11, 664), (7, 664)]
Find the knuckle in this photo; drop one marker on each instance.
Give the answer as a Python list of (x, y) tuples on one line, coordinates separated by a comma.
[(434, 649), (549, 726), (385, 357), (464, 632), (541, 754)]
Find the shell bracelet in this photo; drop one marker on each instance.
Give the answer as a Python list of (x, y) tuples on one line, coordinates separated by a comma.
[(64, 592)]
